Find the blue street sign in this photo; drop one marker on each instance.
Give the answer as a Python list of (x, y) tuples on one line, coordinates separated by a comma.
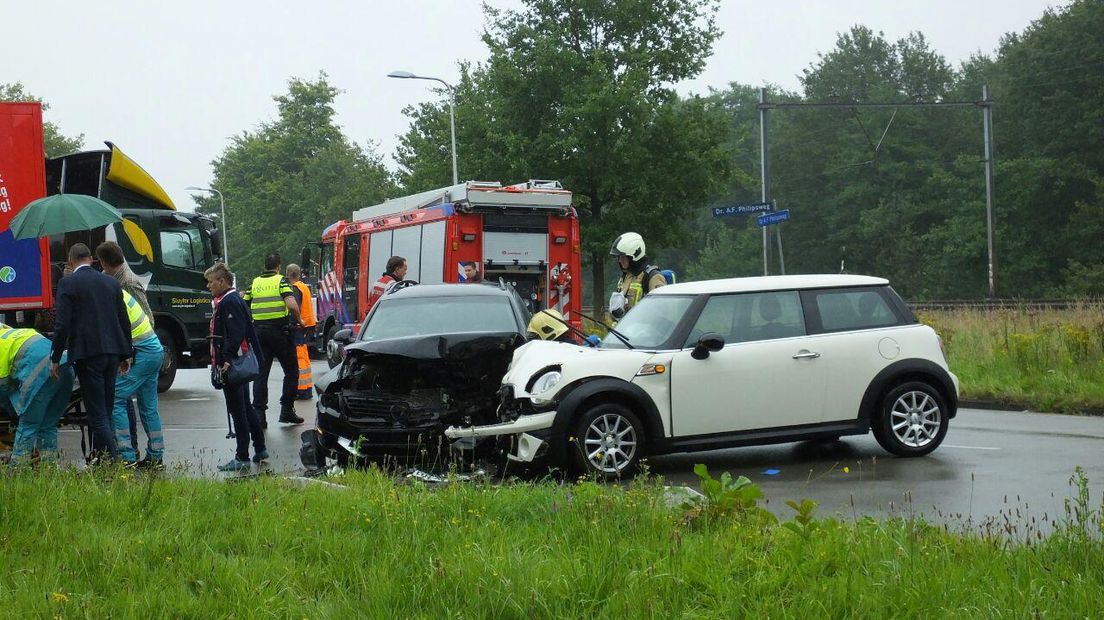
[(742, 209), (773, 218)]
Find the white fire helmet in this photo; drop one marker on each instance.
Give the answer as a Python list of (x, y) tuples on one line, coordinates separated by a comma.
[(628, 244)]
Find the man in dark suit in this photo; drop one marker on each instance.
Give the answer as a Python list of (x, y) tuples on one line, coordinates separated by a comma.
[(90, 320)]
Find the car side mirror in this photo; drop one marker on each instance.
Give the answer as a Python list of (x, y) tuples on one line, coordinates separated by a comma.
[(343, 336), (710, 342)]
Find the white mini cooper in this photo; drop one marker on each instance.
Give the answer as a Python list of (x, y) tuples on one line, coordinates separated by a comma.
[(724, 363)]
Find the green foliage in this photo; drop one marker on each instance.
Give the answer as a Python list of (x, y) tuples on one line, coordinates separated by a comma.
[(80, 545), (288, 179), (581, 91), (900, 193), (804, 523), (726, 498), (56, 143)]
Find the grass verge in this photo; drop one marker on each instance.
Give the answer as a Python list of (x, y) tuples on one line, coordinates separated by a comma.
[(76, 545), (1048, 360)]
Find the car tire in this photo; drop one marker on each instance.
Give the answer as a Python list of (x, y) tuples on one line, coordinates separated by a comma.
[(911, 419), (167, 374), (607, 441)]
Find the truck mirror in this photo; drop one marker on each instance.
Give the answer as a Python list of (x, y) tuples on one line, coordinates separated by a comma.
[(305, 261), (216, 242)]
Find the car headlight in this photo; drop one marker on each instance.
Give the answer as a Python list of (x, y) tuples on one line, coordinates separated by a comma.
[(546, 382)]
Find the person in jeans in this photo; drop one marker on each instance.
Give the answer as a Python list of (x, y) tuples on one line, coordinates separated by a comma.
[(91, 323), (114, 264), (37, 398), (232, 335), (141, 381)]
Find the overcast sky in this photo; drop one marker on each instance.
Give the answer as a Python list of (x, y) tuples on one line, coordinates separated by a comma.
[(170, 82)]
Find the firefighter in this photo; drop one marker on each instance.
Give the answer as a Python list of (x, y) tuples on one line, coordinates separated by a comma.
[(276, 317), (37, 398), (306, 331), (396, 271), (549, 325), (638, 278)]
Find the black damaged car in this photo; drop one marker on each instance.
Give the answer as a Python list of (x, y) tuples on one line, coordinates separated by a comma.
[(427, 357)]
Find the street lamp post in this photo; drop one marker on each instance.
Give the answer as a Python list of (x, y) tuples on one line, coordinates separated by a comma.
[(222, 214), (406, 75)]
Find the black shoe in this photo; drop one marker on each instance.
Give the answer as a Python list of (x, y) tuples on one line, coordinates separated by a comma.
[(151, 464), (288, 416), (261, 456)]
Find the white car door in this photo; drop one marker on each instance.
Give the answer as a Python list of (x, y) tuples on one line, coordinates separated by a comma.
[(765, 376)]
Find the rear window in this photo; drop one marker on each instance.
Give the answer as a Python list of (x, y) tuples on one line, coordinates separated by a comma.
[(424, 316), (852, 309)]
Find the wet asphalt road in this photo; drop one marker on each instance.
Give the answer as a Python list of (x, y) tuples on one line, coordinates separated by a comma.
[(991, 463)]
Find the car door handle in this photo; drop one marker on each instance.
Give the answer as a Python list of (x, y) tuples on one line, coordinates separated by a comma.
[(805, 354)]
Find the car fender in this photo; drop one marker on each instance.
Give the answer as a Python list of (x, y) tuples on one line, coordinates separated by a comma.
[(573, 398), (908, 369)]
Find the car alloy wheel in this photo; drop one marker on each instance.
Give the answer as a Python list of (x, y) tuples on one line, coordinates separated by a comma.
[(912, 419), (915, 418), (609, 441)]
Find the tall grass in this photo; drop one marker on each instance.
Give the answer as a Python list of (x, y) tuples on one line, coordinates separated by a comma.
[(76, 545), (1049, 360)]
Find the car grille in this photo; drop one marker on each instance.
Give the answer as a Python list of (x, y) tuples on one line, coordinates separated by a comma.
[(376, 407)]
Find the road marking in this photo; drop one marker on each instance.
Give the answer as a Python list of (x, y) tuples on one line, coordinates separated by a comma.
[(184, 400), (947, 445)]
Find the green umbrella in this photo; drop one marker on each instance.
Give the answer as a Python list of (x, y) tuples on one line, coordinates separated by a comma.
[(62, 213)]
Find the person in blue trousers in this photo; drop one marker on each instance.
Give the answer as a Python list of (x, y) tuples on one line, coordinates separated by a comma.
[(37, 398), (140, 381)]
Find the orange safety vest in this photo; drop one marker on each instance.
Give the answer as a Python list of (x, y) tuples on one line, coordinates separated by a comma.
[(306, 308)]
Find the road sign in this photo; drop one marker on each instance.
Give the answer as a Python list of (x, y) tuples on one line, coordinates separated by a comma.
[(773, 218), (742, 209)]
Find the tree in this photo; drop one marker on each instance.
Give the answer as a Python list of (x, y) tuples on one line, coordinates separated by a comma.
[(581, 91), (56, 143), (288, 179)]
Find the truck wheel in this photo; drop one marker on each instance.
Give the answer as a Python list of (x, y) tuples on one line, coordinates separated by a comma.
[(333, 352), (169, 364)]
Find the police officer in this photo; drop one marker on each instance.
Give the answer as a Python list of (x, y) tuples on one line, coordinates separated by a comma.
[(276, 317), (38, 398), (638, 278)]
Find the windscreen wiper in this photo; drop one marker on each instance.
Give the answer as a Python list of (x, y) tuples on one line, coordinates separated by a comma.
[(619, 335)]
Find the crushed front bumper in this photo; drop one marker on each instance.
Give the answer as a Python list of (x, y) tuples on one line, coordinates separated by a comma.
[(529, 435)]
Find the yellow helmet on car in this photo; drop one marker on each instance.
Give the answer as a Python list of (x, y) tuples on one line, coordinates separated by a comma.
[(547, 325)]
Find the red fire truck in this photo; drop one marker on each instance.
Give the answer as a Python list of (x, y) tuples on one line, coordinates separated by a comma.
[(525, 234)]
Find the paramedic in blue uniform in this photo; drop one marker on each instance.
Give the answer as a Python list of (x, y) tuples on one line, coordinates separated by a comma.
[(37, 397)]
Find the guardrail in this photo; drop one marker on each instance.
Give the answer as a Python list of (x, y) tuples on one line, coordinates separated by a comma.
[(997, 304)]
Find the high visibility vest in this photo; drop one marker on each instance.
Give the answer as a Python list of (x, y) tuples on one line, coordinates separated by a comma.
[(266, 297), (140, 325), (632, 286), (11, 341), (306, 307)]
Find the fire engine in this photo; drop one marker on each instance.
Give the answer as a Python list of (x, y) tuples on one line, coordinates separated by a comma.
[(525, 234)]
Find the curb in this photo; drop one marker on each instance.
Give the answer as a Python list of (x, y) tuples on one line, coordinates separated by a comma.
[(1012, 405)]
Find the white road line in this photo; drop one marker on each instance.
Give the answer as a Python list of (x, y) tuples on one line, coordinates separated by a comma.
[(947, 445), (184, 400)]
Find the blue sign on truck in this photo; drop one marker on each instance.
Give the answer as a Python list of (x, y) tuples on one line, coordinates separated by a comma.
[(742, 209), (773, 218)]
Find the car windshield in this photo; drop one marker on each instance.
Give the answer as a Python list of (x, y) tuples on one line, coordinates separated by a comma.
[(651, 322), (422, 316)]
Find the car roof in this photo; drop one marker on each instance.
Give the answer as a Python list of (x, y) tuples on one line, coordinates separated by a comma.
[(768, 283), (450, 290)]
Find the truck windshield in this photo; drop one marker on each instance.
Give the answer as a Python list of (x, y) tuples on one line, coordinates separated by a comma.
[(424, 316), (651, 322), (184, 245)]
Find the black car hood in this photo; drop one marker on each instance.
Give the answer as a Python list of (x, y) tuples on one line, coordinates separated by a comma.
[(423, 382), (441, 346)]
